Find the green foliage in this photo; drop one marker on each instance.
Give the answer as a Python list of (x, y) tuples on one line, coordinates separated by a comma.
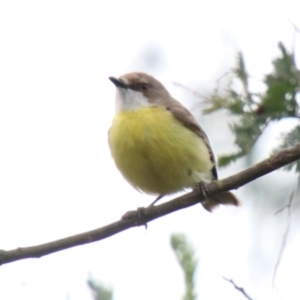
[(185, 255), (99, 291), (255, 111), (282, 86), (290, 139)]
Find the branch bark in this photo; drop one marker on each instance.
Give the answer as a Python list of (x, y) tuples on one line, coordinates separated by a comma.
[(142, 217)]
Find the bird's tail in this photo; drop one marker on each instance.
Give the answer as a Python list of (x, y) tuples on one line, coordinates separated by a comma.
[(225, 198)]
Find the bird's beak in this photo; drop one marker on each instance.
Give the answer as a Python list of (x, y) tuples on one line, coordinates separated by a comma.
[(118, 82)]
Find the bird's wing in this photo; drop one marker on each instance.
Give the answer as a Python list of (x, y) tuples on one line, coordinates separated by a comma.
[(187, 119)]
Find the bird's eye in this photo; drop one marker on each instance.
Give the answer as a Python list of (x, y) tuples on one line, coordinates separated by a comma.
[(144, 87)]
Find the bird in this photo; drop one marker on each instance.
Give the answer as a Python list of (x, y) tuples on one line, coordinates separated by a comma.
[(157, 144)]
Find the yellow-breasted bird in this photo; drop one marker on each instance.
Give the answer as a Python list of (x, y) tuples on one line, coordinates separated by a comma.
[(157, 144)]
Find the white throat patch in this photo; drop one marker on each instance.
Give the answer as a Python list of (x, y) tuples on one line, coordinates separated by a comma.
[(128, 99)]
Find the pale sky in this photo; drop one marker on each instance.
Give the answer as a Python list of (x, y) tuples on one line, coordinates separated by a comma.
[(57, 176)]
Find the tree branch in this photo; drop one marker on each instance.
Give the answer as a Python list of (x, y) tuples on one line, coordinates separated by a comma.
[(142, 217)]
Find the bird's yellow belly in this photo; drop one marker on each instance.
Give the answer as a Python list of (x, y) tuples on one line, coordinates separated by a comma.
[(156, 153)]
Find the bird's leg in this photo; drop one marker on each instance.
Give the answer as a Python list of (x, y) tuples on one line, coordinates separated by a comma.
[(158, 198)]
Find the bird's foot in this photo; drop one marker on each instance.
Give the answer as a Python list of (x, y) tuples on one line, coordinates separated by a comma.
[(203, 191), (138, 215), (209, 202)]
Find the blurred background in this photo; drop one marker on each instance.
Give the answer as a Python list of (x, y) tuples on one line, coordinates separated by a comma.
[(57, 177)]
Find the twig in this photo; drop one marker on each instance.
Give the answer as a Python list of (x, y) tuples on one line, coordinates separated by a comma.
[(280, 210), (294, 25), (240, 289), (195, 93), (286, 233), (296, 30), (135, 218), (223, 76)]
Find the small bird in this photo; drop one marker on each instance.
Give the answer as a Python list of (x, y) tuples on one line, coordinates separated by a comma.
[(157, 144)]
